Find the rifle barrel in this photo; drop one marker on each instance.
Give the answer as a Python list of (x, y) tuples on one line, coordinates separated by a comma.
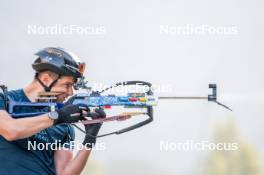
[(182, 97)]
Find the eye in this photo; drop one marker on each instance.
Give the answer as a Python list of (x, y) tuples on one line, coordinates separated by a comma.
[(69, 85)]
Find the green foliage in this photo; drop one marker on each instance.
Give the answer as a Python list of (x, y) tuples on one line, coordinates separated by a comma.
[(244, 161)]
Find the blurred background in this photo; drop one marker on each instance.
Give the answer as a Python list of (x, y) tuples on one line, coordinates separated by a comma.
[(181, 44)]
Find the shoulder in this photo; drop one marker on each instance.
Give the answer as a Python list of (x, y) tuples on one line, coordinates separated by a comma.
[(16, 95), (2, 103), (13, 95)]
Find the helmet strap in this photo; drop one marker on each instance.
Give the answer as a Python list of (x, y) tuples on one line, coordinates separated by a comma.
[(47, 88)]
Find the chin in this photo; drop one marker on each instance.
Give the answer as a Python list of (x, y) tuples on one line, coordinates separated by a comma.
[(61, 100)]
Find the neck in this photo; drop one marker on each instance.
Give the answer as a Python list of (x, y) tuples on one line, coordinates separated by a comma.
[(32, 90)]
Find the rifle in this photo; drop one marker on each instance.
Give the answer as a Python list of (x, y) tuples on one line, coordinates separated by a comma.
[(144, 101)]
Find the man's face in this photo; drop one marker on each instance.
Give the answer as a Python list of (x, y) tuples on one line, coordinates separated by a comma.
[(64, 87)]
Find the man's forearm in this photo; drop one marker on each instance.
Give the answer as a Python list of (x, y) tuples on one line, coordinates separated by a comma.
[(75, 166), (13, 129)]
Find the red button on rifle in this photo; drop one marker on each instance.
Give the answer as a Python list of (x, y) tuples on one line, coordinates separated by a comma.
[(133, 99)]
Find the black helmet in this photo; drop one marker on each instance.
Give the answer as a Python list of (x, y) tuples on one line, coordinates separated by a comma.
[(59, 61)]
